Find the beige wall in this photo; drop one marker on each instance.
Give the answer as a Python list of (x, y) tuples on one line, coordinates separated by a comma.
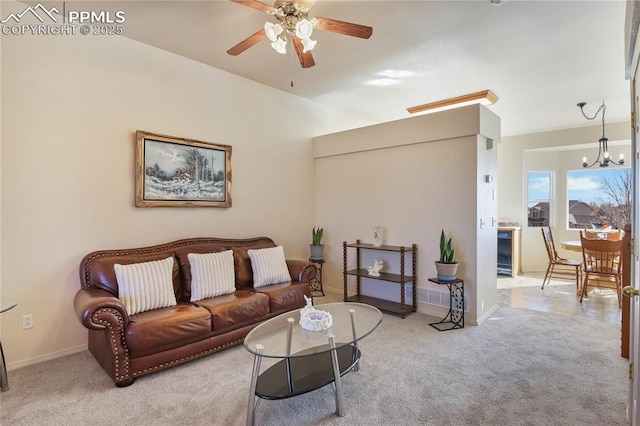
[(70, 108), (558, 152), (413, 177)]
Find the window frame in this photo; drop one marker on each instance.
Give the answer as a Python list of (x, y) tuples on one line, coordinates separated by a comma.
[(532, 201)]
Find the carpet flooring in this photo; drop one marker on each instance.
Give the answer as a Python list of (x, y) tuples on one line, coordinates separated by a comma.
[(520, 367)]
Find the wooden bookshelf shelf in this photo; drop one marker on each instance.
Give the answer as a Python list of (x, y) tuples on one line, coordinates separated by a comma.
[(402, 278)]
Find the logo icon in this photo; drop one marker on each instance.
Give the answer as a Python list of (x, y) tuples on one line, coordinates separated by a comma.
[(33, 11)]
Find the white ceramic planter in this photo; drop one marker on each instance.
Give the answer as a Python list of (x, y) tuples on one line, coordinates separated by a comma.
[(446, 271), (317, 252)]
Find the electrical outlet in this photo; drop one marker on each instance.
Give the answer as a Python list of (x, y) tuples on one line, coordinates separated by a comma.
[(27, 321)]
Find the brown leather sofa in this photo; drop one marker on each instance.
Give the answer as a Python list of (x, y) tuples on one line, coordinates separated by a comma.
[(132, 346)]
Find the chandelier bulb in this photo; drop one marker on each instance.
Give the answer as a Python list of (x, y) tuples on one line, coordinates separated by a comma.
[(304, 29), (280, 46), (272, 31), (308, 44)]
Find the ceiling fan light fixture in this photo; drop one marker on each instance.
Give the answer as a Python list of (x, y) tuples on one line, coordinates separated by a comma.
[(308, 44), (294, 25), (304, 29), (273, 31), (485, 97), (280, 46)]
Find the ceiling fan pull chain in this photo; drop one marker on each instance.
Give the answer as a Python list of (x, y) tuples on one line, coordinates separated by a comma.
[(291, 61)]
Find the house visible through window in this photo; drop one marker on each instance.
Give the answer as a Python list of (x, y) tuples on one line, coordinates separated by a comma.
[(538, 198), (599, 196)]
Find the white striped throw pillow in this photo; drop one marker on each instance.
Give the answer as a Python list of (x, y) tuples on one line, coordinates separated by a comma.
[(212, 274), (269, 266), (145, 286)]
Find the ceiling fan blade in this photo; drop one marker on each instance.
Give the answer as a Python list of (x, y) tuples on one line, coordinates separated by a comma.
[(247, 43), (256, 5), (306, 58), (345, 28)]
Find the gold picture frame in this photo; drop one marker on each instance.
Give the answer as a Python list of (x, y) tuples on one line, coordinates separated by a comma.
[(180, 172)]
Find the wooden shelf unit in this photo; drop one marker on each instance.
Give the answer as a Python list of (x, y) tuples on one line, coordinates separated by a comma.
[(401, 279)]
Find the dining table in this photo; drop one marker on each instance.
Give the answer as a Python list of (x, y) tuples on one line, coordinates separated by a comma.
[(576, 245), (572, 245)]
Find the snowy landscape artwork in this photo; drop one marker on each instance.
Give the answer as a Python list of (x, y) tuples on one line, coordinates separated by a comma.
[(181, 172)]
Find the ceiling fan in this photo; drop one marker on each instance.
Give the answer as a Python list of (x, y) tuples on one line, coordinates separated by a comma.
[(293, 24)]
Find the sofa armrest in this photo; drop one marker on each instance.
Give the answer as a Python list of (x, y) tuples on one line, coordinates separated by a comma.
[(98, 309), (302, 271)]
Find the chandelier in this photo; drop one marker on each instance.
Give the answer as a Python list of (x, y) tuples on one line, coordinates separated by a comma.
[(292, 22), (603, 143)]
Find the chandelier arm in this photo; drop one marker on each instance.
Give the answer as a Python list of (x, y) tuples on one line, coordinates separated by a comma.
[(603, 143), (602, 108), (586, 166), (597, 160)]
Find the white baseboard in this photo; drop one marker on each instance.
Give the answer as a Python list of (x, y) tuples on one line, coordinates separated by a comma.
[(423, 308), (432, 310), (46, 357), (437, 309), (487, 314)]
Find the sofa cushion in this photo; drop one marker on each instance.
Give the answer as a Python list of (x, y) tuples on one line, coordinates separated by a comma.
[(244, 274), (145, 286), (212, 274), (182, 255), (286, 296), (269, 266), (98, 270), (166, 328), (239, 308)]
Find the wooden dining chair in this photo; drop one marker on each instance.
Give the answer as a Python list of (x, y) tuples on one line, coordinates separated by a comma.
[(609, 235), (602, 265), (559, 266)]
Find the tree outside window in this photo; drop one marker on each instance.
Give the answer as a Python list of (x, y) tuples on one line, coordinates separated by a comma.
[(599, 196)]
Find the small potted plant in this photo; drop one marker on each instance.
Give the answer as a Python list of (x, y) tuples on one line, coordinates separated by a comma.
[(446, 267), (317, 248)]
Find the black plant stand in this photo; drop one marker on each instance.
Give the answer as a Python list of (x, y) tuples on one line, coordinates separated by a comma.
[(455, 316), (316, 285)]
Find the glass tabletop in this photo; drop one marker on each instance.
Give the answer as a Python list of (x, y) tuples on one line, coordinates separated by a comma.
[(271, 335), (6, 304)]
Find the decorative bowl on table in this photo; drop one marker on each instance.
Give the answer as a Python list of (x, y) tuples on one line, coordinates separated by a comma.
[(316, 321), (313, 319)]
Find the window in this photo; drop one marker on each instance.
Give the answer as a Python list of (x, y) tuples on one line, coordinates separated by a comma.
[(600, 195), (538, 198)]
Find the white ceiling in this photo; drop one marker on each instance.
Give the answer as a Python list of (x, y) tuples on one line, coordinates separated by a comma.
[(539, 57)]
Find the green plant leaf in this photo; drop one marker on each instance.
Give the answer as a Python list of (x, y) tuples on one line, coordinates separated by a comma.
[(316, 236), (447, 254)]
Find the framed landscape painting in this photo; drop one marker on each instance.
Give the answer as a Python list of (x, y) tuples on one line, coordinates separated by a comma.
[(178, 172)]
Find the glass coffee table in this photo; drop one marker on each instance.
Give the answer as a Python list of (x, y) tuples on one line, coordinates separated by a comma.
[(309, 359)]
